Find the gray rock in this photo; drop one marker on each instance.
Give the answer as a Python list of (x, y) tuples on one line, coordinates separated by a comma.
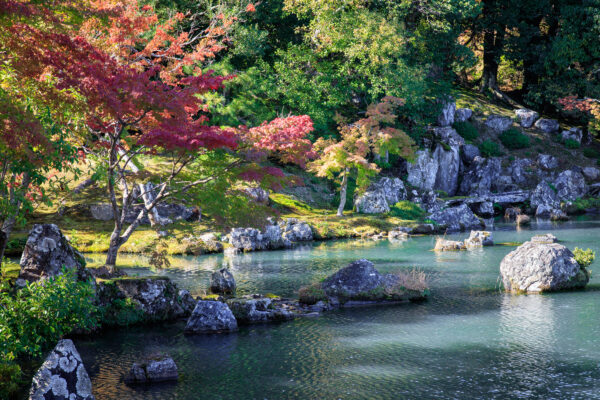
[(591, 173), (447, 175), (469, 152), (541, 267), (295, 230), (478, 179), (511, 213), (521, 171), (259, 309), (423, 229), (422, 172), (547, 125), (547, 162), (102, 212), (463, 114), (380, 196), (503, 183), (522, 219), (570, 185), (222, 282), (479, 239), (446, 117), (157, 299), (544, 199), (544, 238), (47, 252), (398, 235), (573, 134), (484, 209), (456, 219), (251, 239), (448, 136), (211, 317), (160, 369), (498, 123), (448, 245), (526, 117), (257, 194), (62, 376)]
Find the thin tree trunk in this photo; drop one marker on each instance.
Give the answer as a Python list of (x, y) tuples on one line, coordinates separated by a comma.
[(113, 250), (491, 48), (340, 210)]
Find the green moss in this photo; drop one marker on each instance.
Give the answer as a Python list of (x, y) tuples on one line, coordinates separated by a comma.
[(407, 210), (311, 294)]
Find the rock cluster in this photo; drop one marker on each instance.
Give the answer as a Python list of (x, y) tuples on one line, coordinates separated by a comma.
[(275, 236), (456, 219), (155, 369), (222, 282), (380, 196), (211, 317), (62, 376), (258, 309)]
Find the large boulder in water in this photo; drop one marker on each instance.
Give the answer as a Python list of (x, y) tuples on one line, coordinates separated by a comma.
[(62, 376), (360, 281), (154, 299), (541, 267), (47, 252), (211, 317), (457, 218), (222, 282)]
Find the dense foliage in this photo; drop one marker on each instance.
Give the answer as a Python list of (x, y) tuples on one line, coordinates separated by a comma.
[(584, 258)]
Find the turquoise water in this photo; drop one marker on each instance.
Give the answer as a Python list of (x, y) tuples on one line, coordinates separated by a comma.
[(469, 341)]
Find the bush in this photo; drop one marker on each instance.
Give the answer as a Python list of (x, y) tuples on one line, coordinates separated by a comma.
[(591, 153), (572, 144), (584, 258), (489, 148), (35, 317), (406, 210), (513, 139), (10, 377), (467, 130), (311, 294)]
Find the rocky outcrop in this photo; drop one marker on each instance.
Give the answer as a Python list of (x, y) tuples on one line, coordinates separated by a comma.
[(47, 252), (155, 299), (547, 125), (222, 282), (255, 309), (380, 196), (547, 162), (211, 317), (62, 376), (521, 171), (479, 239), (463, 114), (152, 370), (468, 153), (478, 179), (294, 230), (360, 281), (485, 209), (102, 212), (457, 218), (526, 117), (257, 194), (422, 172), (541, 267), (498, 123), (446, 117), (448, 245), (570, 185), (591, 173), (251, 239), (572, 134), (447, 174), (544, 199)]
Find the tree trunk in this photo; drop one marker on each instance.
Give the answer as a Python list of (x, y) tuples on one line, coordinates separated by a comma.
[(113, 250), (340, 210), (491, 48)]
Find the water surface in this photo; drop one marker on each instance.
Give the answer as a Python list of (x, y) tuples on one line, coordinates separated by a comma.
[(469, 341)]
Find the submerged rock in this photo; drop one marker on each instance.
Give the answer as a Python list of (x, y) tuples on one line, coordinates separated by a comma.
[(62, 376), (258, 309), (545, 238), (523, 219), (157, 369), (479, 239), (47, 252), (448, 245), (537, 267), (222, 282), (211, 317)]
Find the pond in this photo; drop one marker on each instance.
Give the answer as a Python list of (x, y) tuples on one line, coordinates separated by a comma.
[(469, 341)]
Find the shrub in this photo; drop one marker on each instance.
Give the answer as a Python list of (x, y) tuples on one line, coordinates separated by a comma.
[(35, 317), (591, 153), (489, 148), (10, 377), (311, 294), (410, 280), (406, 210), (513, 139), (584, 258), (467, 130), (572, 144)]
